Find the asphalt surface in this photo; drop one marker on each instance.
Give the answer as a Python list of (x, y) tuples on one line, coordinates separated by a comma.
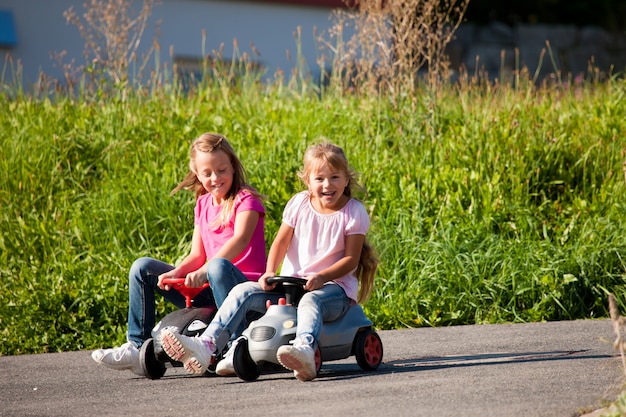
[(519, 370)]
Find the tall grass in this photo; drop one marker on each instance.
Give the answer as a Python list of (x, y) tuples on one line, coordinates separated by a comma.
[(487, 205)]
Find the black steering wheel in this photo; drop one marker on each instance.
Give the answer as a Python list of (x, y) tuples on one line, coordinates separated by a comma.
[(280, 279), (292, 286)]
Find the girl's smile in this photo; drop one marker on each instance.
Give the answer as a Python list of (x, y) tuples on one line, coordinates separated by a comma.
[(215, 171)]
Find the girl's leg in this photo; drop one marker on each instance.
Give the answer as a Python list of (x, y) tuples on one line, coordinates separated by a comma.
[(223, 276), (244, 298), (143, 277), (195, 352), (326, 304)]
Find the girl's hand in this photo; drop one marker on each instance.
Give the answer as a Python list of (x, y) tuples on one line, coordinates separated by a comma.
[(162, 277), (314, 282), (196, 279), (263, 281)]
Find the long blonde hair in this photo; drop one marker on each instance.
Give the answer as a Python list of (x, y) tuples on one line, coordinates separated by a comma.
[(212, 142), (335, 157)]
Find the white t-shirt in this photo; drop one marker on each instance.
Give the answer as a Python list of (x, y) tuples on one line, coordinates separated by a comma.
[(319, 240)]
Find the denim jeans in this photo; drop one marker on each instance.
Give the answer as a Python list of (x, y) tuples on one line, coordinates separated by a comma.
[(143, 277), (325, 304)]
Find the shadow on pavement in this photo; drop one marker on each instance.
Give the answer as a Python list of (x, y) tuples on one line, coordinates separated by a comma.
[(453, 361)]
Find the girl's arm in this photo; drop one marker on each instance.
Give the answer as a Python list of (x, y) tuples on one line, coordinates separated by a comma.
[(350, 260), (192, 262), (276, 254)]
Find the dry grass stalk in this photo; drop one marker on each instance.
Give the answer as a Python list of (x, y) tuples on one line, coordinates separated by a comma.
[(619, 323), (112, 31), (391, 42)]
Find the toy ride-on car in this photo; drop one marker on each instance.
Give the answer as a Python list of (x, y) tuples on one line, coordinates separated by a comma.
[(352, 334), (189, 321)]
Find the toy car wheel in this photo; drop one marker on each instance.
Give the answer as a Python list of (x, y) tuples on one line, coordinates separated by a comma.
[(245, 367), (152, 367), (368, 349)]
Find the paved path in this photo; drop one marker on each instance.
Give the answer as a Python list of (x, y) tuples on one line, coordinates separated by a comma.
[(555, 369)]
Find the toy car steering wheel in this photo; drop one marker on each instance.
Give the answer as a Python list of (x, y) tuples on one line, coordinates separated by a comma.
[(293, 286), (279, 279)]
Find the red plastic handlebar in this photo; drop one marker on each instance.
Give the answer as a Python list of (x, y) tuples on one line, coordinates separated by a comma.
[(179, 285)]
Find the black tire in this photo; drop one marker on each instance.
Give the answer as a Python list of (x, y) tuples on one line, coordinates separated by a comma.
[(245, 367), (368, 349), (152, 367)]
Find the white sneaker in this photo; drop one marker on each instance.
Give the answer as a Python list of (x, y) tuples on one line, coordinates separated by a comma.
[(300, 358), (225, 367), (119, 358), (193, 352)]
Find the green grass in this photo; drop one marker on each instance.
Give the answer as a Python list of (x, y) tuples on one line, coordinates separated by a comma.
[(488, 204)]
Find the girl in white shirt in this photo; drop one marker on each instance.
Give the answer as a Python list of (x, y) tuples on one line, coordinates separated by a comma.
[(321, 239)]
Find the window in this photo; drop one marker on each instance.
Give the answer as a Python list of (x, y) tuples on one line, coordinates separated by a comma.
[(8, 37)]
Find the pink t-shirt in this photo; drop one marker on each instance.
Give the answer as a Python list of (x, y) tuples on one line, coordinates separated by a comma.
[(252, 260), (319, 240)]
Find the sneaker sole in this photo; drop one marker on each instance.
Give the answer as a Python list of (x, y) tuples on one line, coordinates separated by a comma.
[(294, 363), (225, 371), (136, 369), (194, 367), (176, 351)]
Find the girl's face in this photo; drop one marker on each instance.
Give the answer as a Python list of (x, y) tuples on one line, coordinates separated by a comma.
[(327, 185), (215, 171)]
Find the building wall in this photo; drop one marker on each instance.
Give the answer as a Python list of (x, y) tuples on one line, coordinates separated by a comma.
[(270, 26)]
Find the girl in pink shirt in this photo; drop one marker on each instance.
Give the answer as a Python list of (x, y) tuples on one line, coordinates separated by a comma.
[(322, 239), (227, 247)]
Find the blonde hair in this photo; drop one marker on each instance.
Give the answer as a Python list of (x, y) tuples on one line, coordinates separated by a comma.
[(328, 153), (213, 142)]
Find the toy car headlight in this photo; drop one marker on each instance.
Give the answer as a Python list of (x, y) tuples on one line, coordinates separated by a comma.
[(262, 333)]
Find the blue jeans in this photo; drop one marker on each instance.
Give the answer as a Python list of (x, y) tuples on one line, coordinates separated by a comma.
[(143, 277), (315, 307)]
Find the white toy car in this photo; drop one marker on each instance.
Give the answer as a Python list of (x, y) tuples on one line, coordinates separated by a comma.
[(350, 335)]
